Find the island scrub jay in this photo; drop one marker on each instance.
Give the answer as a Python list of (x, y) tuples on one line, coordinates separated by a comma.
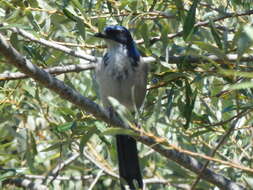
[(123, 76)]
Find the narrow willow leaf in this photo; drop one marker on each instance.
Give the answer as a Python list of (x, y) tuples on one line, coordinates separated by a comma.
[(33, 144), (65, 127), (242, 85), (199, 133), (145, 34), (33, 21), (189, 105), (170, 98), (243, 44), (236, 73), (211, 49), (189, 21), (69, 13), (7, 174), (77, 5), (86, 137), (215, 35), (180, 9), (81, 28), (54, 146), (118, 131), (174, 75)]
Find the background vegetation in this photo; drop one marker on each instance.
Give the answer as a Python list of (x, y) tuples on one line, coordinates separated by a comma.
[(199, 92)]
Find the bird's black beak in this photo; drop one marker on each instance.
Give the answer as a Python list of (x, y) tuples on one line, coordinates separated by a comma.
[(100, 35)]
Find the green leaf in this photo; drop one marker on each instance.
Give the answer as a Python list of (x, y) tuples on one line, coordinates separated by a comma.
[(164, 35), (145, 34), (249, 31), (101, 23), (236, 73), (243, 85), (211, 49), (66, 111), (249, 181), (174, 75), (29, 154), (54, 146), (81, 28), (77, 5), (7, 173), (170, 98), (189, 105), (243, 44), (65, 127), (215, 35), (70, 14), (30, 90), (15, 25), (133, 5), (15, 41), (229, 108), (33, 21), (119, 131), (86, 137), (189, 21), (33, 144), (180, 8), (199, 133)]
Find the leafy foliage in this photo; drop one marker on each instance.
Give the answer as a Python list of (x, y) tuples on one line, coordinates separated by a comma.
[(189, 103)]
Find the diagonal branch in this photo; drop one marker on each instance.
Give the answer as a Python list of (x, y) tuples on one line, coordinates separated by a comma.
[(14, 58), (54, 173), (76, 53)]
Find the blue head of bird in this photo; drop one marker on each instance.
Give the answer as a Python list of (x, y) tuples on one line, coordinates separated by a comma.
[(119, 35)]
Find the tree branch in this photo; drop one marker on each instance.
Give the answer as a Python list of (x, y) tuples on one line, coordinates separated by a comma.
[(54, 173), (26, 184), (76, 53), (88, 66), (99, 165), (53, 70), (16, 59), (100, 173), (60, 178), (147, 181)]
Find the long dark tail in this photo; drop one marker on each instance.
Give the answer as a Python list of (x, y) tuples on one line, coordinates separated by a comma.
[(129, 168)]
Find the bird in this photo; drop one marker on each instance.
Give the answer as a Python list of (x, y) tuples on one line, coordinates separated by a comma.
[(123, 75)]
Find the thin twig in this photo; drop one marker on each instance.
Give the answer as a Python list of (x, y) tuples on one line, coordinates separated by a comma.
[(225, 121), (100, 173), (60, 166), (99, 165), (53, 70), (60, 178), (222, 140)]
